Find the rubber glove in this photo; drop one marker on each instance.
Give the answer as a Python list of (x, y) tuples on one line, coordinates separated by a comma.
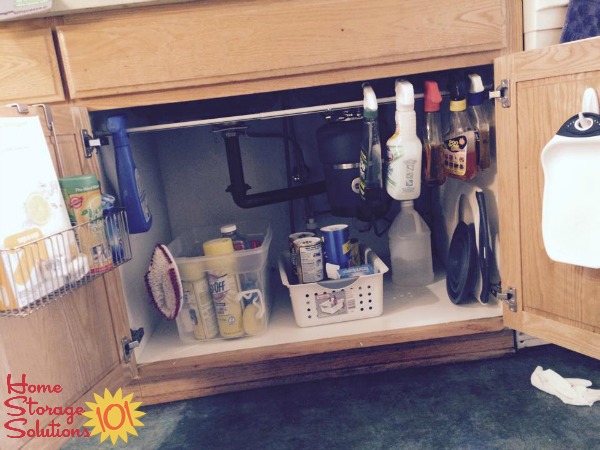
[(572, 391)]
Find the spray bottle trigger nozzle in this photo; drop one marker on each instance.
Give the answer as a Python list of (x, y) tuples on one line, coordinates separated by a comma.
[(432, 97)]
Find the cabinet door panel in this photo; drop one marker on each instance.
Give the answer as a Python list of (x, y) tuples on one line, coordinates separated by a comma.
[(28, 67), (557, 302), (215, 42), (75, 340)]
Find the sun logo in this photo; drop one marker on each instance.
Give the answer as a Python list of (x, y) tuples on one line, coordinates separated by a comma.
[(113, 416)]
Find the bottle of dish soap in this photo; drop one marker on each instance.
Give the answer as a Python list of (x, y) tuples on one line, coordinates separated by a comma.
[(370, 165), (461, 139), (131, 192), (404, 149), (410, 248), (479, 118), (433, 144)]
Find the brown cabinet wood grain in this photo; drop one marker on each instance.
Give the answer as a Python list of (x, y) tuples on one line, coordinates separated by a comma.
[(223, 48), (29, 70), (557, 302)]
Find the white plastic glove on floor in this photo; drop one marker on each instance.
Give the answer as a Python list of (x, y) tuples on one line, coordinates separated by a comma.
[(572, 391)]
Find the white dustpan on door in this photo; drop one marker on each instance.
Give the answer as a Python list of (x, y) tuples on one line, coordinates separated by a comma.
[(570, 211)]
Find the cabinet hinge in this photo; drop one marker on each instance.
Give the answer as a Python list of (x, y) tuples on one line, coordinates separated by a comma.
[(90, 143), (509, 296), (21, 108), (130, 343), (502, 93)]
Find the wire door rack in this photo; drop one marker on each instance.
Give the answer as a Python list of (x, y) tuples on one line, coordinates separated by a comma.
[(37, 273)]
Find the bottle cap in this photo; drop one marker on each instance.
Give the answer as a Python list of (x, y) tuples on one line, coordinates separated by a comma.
[(312, 224), (457, 96), (405, 96), (370, 102), (219, 246), (229, 228), (432, 98), (476, 90), (458, 105)]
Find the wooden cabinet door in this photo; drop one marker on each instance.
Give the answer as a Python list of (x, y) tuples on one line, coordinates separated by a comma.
[(557, 302), (222, 48), (28, 64), (75, 340)]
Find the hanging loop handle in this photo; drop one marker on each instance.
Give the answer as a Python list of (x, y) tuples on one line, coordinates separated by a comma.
[(589, 104)]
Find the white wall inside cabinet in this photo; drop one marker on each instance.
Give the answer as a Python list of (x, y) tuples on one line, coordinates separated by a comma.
[(194, 169), (141, 314)]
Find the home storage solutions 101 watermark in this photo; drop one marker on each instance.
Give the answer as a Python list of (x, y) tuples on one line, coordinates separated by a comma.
[(109, 416)]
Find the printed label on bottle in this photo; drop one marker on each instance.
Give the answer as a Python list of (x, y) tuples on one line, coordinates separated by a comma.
[(363, 173), (409, 178), (201, 310), (393, 153), (401, 176), (223, 290), (143, 197), (460, 158)]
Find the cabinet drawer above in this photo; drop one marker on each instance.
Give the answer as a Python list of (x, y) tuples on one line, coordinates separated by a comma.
[(233, 43), (29, 71)]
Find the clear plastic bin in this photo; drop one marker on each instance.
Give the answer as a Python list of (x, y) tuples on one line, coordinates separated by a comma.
[(225, 296)]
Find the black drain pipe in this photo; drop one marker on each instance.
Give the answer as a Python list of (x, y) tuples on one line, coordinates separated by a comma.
[(238, 187)]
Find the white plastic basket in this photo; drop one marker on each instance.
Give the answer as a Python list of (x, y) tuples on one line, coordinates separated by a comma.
[(334, 301)]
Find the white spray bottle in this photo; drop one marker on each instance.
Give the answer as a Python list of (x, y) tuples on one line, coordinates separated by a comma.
[(404, 149)]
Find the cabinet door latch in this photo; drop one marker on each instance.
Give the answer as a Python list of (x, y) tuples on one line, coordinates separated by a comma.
[(502, 93), (130, 343), (509, 296)]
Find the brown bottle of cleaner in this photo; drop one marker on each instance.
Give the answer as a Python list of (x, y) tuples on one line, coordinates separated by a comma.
[(433, 145), (461, 139)]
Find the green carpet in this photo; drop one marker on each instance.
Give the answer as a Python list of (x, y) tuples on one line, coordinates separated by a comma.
[(477, 405)]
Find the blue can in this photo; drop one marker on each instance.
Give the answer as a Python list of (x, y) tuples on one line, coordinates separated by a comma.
[(336, 243)]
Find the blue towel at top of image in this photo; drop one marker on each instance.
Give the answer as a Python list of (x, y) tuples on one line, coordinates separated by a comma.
[(582, 20)]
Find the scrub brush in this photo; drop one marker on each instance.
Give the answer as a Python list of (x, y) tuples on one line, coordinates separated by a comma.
[(163, 282)]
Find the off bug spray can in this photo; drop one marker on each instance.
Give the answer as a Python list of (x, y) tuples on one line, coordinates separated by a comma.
[(224, 286), (199, 306)]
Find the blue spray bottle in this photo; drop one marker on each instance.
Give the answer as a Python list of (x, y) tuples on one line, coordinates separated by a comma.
[(132, 193)]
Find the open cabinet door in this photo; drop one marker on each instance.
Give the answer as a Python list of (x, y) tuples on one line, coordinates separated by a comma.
[(557, 302), (74, 341)]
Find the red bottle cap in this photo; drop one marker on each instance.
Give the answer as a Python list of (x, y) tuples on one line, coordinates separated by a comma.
[(432, 97)]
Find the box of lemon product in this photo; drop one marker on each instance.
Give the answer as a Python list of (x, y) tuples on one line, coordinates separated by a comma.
[(84, 205), (34, 210)]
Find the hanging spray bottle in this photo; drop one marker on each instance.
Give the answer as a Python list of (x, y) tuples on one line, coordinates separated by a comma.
[(461, 139), (409, 235), (131, 192), (404, 150), (371, 181), (479, 118), (433, 143)]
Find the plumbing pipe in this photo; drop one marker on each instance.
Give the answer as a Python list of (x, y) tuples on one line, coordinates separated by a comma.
[(239, 189)]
